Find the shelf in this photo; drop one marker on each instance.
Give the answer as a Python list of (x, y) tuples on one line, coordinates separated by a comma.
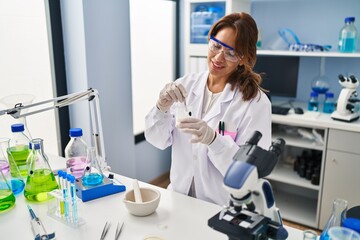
[(285, 174), (298, 141), (296, 208), (307, 54)]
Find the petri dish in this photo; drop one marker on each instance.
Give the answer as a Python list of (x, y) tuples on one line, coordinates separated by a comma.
[(153, 237)]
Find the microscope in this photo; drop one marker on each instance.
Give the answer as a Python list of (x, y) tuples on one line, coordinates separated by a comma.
[(347, 109), (252, 213)]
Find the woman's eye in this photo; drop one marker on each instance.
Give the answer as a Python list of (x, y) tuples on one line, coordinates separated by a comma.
[(231, 54), (217, 46)]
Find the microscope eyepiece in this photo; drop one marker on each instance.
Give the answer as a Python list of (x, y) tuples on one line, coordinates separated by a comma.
[(277, 146), (353, 79), (342, 78), (254, 139)]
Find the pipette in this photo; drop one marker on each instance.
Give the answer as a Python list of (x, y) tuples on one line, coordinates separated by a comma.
[(38, 228)]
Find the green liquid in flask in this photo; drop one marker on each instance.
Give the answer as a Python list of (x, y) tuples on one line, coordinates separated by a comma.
[(7, 199), (39, 184), (19, 154)]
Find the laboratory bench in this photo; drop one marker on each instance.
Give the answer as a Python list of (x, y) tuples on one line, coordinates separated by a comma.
[(177, 217), (299, 199)]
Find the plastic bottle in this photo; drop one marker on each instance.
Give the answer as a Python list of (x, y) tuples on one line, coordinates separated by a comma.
[(41, 179), (348, 36), (336, 218), (19, 149), (75, 153), (313, 103), (329, 103)]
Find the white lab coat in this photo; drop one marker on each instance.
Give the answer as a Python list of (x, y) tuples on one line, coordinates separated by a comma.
[(208, 163)]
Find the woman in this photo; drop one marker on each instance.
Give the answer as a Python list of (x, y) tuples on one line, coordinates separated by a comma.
[(228, 105)]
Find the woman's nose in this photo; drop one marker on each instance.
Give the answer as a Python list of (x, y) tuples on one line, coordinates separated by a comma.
[(220, 56)]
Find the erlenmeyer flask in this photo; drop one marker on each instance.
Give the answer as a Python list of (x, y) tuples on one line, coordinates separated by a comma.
[(336, 218), (11, 171), (24, 99), (93, 175), (7, 197), (41, 179)]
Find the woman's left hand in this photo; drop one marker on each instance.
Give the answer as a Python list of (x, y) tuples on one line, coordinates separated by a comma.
[(198, 128)]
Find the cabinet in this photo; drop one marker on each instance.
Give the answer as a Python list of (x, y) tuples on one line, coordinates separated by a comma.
[(341, 170), (295, 195)]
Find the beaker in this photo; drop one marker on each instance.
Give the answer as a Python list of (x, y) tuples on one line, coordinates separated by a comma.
[(309, 235), (9, 168), (343, 233), (41, 179), (24, 99), (93, 175), (7, 197)]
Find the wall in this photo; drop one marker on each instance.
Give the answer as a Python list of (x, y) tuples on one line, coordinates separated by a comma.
[(98, 55), (25, 67), (97, 46)]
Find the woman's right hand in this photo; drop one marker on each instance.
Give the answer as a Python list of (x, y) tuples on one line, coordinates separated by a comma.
[(172, 92)]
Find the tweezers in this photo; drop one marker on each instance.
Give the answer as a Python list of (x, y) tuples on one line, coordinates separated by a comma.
[(105, 231), (118, 230)]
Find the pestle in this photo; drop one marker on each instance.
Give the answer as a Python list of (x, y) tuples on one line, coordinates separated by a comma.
[(137, 192)]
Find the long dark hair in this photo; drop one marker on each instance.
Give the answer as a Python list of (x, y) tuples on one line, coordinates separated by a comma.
[(244, 78)]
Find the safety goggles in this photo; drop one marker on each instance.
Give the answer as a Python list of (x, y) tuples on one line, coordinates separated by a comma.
[(216, 46), (309, 48)]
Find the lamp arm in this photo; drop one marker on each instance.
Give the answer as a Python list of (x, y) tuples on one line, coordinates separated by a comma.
[(92, 95)]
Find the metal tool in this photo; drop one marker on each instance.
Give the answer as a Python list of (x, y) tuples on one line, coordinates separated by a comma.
[(118, 230), (38, 228), (105, 230), (107, 227)]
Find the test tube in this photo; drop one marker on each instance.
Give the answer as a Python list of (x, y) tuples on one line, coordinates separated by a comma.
[(60, 173), (72, 193), (65, 195)]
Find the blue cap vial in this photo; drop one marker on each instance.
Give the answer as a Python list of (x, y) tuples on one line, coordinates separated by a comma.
[(75, 132), (18, 127)]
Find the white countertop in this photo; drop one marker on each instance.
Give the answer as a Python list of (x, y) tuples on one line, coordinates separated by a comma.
[(177, 217)]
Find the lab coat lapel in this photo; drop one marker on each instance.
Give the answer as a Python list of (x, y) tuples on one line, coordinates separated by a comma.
[(226, 96)]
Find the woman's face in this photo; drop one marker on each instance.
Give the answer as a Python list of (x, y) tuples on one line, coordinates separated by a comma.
[(221, 60)]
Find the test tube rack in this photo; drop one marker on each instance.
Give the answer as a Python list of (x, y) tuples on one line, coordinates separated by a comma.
[(69, 216)]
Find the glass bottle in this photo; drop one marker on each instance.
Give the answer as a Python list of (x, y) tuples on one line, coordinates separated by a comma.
[(41, 179), (7, 197), (75, 153), (313, 103), (18, 150), (336, 218), (13, 177), (348, 36), (329, 103), (93, 175)]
